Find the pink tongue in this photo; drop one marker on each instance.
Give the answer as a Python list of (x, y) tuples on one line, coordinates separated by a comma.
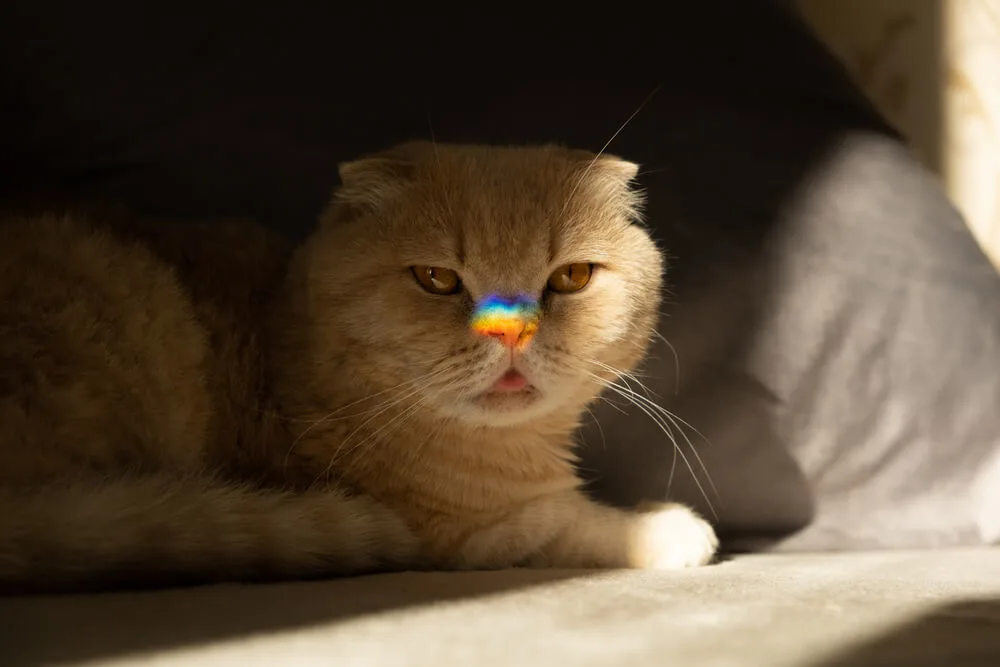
[(511, 381)]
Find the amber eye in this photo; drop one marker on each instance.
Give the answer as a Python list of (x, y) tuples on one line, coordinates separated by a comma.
[(436, 280), (570, 278)]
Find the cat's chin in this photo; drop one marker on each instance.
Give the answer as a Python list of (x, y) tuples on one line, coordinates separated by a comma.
[(503, 408)]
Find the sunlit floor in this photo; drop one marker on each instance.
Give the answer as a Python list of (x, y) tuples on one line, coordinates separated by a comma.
[(890, 608)]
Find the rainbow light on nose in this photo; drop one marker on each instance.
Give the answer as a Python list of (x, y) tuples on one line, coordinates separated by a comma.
[(510, 319)]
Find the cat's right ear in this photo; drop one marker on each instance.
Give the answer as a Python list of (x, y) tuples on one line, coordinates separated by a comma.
[(366, 185), (370, 182)]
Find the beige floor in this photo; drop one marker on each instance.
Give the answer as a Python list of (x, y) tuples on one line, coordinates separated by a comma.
[(896, 608)]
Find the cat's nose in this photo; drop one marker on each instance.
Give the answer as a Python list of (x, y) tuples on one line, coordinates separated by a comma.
[(512, 333), (512, 322)]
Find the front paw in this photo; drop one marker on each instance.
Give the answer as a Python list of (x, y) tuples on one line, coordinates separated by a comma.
[(669, 536)]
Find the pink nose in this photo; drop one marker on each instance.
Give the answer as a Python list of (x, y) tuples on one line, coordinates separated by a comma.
[(509, 332)]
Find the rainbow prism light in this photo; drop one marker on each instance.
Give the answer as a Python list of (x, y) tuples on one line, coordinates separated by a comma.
[(514, 321)]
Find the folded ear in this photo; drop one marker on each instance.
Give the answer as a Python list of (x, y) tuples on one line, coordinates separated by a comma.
[(369, 182), (616, 169), (606, 167), (612, 179)]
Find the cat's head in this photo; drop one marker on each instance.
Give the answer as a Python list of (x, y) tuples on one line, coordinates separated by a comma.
[(489, 285)]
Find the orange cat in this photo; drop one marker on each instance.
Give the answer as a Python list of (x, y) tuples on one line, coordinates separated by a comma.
[(187, 402)]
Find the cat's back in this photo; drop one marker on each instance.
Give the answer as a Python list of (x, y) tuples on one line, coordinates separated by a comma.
[(101, 354)]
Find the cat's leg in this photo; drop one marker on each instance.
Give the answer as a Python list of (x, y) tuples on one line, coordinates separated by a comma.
[(660, 536), (569, 530)]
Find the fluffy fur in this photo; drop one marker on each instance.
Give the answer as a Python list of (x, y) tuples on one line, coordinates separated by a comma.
[(201, 403)]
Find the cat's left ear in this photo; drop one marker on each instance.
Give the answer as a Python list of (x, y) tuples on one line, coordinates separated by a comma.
[(368, 183), (613, 181), (617, 169)]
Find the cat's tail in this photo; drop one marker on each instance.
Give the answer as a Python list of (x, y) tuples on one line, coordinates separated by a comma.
[(153, 531)]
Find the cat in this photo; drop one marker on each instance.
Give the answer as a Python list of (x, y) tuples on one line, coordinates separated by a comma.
[(400, 391)]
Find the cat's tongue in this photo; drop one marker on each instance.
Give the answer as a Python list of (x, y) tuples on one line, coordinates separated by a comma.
[(511, 381)]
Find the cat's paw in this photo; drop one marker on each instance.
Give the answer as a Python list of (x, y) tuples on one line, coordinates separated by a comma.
[(669, 536)]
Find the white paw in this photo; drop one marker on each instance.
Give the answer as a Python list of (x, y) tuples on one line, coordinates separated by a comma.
[(669, 537)]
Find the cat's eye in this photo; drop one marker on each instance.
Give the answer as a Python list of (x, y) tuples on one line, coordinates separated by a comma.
[(437, 280), (570, 278)]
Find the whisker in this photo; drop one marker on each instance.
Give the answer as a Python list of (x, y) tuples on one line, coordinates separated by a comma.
[(600, 429), (372, 438), (628, 120), (673, 470), (401, 415), (676, 421), (660, 417), (671, 415), (423, 382), (387, 407), (694, 450), (625, 376), (313, 421), (330, 417), (677, 362), (402, 418), (611, 403), (583, 175), (658, 420), (673, 461)]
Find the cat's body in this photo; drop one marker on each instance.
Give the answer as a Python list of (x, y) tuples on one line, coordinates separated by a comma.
[(200, 402)]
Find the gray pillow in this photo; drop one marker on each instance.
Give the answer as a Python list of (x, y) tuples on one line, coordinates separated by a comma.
[(845, 373)]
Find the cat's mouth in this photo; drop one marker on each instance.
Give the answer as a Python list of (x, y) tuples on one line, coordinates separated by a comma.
[(510, 391), (509, 398), (511, 381)]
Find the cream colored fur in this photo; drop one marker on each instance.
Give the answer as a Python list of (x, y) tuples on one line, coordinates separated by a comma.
[(198, 402)]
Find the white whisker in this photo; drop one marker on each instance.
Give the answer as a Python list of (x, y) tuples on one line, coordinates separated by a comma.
[(388, 406), (378, 409), (673, 416), (600, 429), (665, 421), (677, 361), (625, 377), (676, 421), (638, 401), (583, 175), (372, 438)]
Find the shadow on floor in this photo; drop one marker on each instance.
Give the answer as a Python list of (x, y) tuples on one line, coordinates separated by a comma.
[(964, 634), (74, 629)]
